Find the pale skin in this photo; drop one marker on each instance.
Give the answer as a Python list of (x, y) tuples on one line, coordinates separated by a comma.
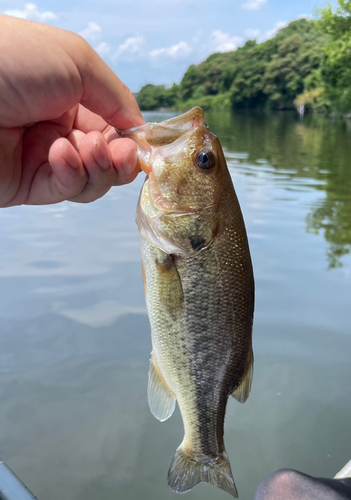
[(59, 107)]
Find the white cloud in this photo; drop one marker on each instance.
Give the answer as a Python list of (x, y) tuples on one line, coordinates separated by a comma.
[(222, 42), (91, 32), (250, 33), (178, 51), (132, 45), (278, 26), (32, 12), (103, 48), (253, 4), (131, 49)]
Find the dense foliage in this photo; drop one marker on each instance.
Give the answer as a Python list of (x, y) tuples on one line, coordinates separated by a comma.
[(335, 74), (157, 96), (307, 62), (270, 74)]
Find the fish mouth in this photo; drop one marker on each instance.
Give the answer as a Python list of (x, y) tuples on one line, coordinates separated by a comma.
[(168, 139)]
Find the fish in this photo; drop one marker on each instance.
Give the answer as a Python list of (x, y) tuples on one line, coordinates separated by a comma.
[(199, 288)]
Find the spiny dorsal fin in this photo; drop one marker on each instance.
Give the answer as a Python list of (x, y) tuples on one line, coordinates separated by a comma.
[(242, 392), (187, 471), (161, 399)]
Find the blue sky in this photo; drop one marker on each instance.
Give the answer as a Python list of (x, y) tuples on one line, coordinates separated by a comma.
[(154, 41)]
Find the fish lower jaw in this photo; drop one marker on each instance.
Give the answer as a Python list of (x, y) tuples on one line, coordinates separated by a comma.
[(163, 206), (155, 205)]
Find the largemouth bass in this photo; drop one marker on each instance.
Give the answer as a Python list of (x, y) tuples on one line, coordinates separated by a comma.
[(199, 290)]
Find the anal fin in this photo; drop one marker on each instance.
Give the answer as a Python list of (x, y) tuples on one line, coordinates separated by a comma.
[(161, 399), (242, 392)]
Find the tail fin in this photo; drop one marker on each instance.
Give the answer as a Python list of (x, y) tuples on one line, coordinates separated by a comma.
[(186, 472)]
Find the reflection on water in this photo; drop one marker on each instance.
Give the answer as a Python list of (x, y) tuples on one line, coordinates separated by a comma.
[(75, 340), (315, 152)]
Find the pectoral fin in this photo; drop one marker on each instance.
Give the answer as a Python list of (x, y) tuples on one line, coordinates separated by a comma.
[(242, 392), (171, 291), (161, 399)]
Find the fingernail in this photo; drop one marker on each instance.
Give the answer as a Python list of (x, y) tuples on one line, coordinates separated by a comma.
[(70, 155), (101, 154), (129, 162)]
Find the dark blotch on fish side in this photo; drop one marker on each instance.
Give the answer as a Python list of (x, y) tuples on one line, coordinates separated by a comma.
[(197, 242)]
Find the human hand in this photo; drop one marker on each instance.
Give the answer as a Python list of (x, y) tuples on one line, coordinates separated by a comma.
[(59, 106)]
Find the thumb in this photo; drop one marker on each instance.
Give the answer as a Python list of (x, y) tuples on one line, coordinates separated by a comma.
[(103, 92)]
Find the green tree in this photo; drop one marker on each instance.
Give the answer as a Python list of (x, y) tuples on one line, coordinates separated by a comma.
[(269, 74), (153, 97), (336, 67)]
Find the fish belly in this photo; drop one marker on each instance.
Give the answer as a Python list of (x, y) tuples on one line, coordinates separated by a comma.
[(200, 312)]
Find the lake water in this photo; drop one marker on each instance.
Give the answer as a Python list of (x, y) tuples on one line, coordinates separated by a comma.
[(75, 339)]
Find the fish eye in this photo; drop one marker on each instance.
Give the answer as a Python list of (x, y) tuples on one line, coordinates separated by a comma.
[(205, 159)]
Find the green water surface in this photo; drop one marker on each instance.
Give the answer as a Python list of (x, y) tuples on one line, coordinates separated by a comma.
[(75, 339)]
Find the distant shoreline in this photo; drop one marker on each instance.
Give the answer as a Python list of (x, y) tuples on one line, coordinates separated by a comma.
[(331, 115), (303, 66)]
